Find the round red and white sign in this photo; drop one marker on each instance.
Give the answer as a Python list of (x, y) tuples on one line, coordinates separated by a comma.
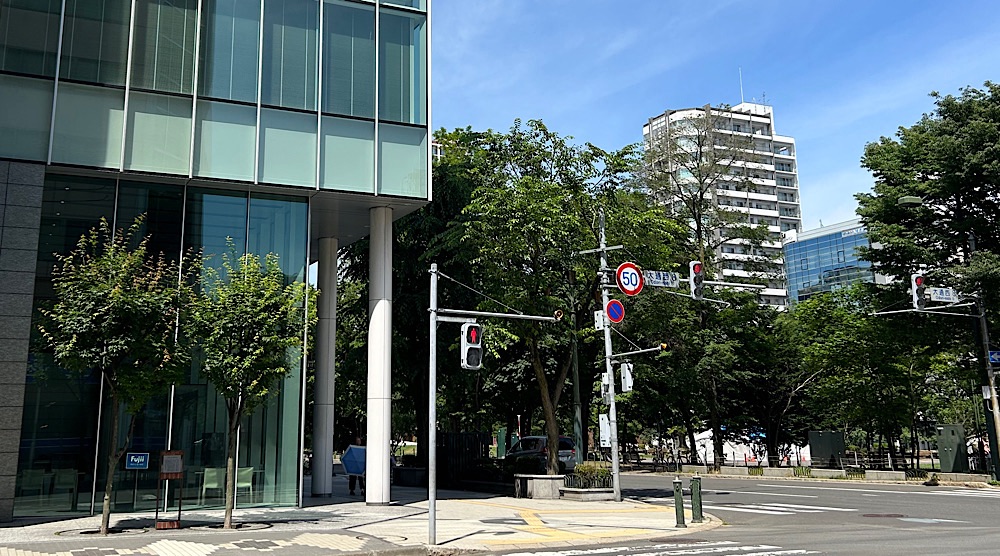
[(629, 278)]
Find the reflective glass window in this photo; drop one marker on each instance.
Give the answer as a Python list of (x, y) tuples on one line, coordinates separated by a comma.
[(24, 119), (290, 64), (287, 147), (29, 36), (163, 207), (419, 4), (229, 47), (159, 133), (224, 140), (402, 160), (163, 58), (402, 67), (88, 126), (278, 224), (348, 155), (95, 41), (214, 220), (349, 59)]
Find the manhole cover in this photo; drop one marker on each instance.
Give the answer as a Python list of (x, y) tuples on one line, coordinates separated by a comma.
[(251, 526), (883, 515)]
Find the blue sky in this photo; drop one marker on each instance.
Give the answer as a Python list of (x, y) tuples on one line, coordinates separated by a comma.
[(838, 73)]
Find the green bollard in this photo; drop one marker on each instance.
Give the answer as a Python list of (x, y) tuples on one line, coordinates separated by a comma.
[(696, 514), (679, 502)]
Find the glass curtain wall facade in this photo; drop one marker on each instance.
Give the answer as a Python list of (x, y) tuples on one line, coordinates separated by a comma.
[(818, 262), (218, 120), (321, 94)]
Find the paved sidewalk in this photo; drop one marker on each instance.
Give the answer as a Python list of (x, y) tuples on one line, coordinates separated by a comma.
[(466, 521)]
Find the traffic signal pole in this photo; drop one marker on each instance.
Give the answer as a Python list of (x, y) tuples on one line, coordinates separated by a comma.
[(992, 383), (612, 417)]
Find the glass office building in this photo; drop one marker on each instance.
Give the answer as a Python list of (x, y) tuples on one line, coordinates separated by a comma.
[(825, 259), (267, 125)]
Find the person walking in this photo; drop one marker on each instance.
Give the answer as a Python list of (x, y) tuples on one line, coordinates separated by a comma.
[(356, 480)]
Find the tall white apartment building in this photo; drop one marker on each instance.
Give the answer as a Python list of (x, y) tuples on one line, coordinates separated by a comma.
[(773, 198)]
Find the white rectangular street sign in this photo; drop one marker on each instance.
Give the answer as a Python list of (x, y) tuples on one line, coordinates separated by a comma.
[(947, 295), (626, 370), (605, 429), (662, 279), (600, 321)]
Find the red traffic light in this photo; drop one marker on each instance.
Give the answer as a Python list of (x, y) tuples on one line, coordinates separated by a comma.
[(697, 268), (919, 280)]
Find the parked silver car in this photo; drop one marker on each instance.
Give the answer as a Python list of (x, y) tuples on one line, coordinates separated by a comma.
[(535, 447)]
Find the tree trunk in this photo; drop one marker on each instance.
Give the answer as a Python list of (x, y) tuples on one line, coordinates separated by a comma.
[(771, 444), (689, 427), (113, 457), (234, 422), (713, 415)]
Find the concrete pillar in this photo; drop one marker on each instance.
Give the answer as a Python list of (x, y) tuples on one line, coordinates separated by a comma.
[(379, 357), (20, 218), (323, 388)]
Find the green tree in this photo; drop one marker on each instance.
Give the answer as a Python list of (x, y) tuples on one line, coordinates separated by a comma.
[(250, 326), (117, 311)]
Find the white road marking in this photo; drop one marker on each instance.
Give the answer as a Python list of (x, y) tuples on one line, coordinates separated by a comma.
[(815, 507), (843, 489), (773, 508), (749, 510), (774, 494), (679, 549)]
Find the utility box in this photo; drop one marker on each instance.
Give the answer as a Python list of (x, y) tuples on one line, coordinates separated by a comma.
[(951, 449), (826, 448)]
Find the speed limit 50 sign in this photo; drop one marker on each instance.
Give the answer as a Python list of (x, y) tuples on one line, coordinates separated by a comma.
[(629, 278)]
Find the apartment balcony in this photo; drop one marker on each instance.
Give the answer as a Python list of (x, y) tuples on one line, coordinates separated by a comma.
[(762, 212), (792, 186)]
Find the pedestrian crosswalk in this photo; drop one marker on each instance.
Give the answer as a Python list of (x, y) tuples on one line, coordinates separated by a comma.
[(773, 508), (680, 548), (974, 492)]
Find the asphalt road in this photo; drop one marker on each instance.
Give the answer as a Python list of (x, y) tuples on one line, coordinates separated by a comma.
[(836, 517)]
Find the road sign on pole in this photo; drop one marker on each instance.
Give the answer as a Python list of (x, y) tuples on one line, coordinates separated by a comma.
[(947, 295), (626, 371), (615, 310), (662, 279), (995, 357), (600, 321), (629, 279)]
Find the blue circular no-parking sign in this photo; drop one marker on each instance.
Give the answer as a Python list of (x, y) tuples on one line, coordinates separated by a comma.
[(615, 310)]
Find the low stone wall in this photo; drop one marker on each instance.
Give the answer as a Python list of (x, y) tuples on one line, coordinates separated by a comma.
[(963, 477), (828, 473), (873, 475), (779, 472), (741, 471)]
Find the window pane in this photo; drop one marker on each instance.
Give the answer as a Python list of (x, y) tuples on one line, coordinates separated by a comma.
[(214, 219), (403, 62), (419, 4), (224, 141), (88, 126), (230, 35), (159, 133), (349, 59), (95, 41), (278, 224), (24, 119), (164, 45), (289, 76), (287, 148), (163, 206), (29, 36), (402, 161), (348, 161)]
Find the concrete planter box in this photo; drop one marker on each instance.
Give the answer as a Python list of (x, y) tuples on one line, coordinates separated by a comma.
[(779, 472), (885, 475), (828, 473), (542, 487), (962, 477), (587, 494)]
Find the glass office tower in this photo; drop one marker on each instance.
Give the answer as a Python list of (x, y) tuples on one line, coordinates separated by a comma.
[(257, 124), (825, 259)]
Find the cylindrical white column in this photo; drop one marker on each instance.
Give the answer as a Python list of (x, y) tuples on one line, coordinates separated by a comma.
[(379, 357), (324, 387)]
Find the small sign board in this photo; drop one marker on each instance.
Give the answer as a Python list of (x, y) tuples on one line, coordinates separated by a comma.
[(600, 323), (626, 370), (947, 295), (605, 428), (172, 464), (137, 461), (629, 279), (995, 357), (615, 310), (662, 279)]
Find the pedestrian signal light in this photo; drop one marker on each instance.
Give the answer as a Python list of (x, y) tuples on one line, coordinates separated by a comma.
[(472, 346), (918, 289), (696, 277)]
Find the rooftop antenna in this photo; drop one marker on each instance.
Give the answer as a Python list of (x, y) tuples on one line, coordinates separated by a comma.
[(741, 84)]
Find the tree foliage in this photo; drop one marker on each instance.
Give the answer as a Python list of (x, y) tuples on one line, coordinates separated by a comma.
[(116, 312), (250, 327)]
